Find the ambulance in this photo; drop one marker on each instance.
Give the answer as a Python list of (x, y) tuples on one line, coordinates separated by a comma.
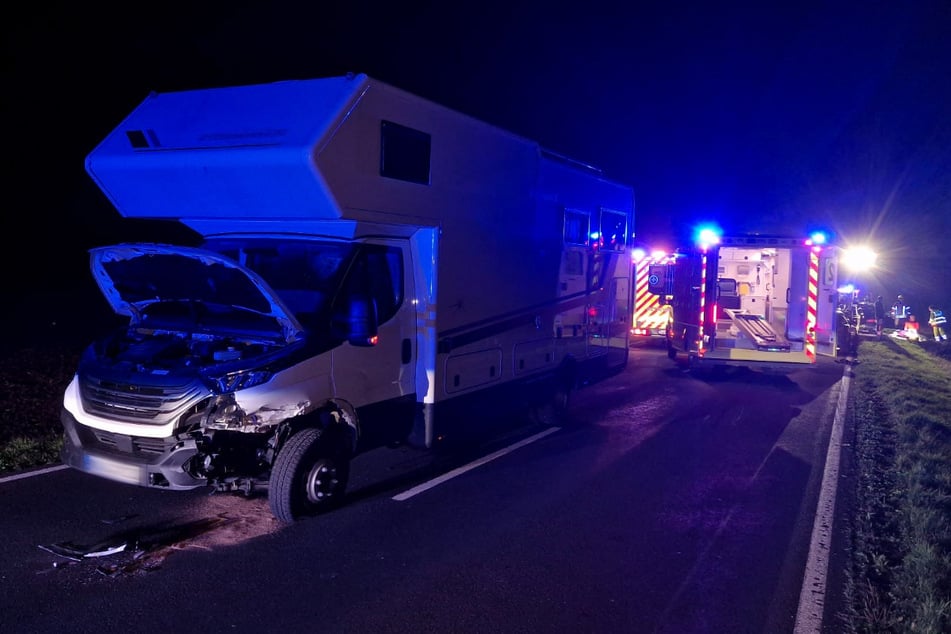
[(758, 301)]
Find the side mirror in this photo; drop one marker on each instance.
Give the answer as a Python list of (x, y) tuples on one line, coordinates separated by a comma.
[(361, 321)]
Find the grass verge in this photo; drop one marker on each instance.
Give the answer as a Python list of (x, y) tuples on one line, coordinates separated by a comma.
[(899, 579), (32, 381)]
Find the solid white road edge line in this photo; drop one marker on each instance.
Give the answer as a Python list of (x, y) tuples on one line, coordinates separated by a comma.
[(813, 593), (425, 486), (30, 474)]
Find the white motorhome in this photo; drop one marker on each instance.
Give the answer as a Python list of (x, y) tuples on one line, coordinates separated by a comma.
[(375, 269)]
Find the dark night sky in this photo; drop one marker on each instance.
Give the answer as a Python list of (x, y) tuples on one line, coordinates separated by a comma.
[(775, 119)]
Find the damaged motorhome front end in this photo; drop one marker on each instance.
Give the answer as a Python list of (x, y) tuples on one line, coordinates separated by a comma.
[(373, 269), (188, 388)]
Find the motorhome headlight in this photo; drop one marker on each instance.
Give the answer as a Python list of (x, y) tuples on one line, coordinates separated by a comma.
[(239, 380)]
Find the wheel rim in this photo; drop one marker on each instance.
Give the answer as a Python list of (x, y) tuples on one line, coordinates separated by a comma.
[(323, 482)]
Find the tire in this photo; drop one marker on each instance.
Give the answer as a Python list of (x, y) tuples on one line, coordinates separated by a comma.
[(309, 476), (554, 409), (671, 350)]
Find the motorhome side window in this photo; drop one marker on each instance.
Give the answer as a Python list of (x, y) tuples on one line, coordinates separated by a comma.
[(404, 153), (613, 230), (576, 227)]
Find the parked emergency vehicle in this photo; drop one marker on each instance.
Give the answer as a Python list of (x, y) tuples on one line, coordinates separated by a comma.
[(764, 302), (653, 292)]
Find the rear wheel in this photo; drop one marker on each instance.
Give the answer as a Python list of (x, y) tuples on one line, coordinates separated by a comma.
[(671, 351), (553, 410), (310, 475)]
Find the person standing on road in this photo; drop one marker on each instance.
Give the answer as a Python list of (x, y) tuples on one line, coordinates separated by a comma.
[(900, 312), (937, 320), (879, 316)]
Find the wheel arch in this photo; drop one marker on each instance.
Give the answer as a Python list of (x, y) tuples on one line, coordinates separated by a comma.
[(333, 414)]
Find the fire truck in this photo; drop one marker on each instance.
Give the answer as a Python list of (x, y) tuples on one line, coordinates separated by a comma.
[(653, 292), (757, 301)]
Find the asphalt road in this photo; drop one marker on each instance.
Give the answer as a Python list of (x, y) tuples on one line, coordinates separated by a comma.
[(670, 503)]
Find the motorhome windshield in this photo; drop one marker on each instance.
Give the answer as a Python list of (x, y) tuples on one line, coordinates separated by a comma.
[(305, 274)]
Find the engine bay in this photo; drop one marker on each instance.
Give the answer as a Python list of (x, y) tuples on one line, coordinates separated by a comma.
[(151, 351)]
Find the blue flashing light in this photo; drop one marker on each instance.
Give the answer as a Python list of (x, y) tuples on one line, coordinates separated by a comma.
[(638, 254), (817, 238), (708, 235)]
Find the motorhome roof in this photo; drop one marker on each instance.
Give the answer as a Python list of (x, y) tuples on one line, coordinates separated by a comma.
[(244, 151)]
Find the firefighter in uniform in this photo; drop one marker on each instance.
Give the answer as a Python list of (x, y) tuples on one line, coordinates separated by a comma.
[(937, 320), (900, 312)]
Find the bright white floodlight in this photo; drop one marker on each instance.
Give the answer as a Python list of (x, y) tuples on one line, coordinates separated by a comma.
[(859, 258)]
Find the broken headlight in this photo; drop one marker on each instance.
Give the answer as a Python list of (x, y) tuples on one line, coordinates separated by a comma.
[(225, 413), (239, 380)]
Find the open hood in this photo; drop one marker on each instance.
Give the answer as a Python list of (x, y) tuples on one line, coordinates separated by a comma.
[(175, 287)]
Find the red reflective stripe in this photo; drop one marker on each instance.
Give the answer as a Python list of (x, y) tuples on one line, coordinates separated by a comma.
[(812, 304), (703, 299)]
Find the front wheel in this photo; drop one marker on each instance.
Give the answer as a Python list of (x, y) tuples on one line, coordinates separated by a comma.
[(310, 475)]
